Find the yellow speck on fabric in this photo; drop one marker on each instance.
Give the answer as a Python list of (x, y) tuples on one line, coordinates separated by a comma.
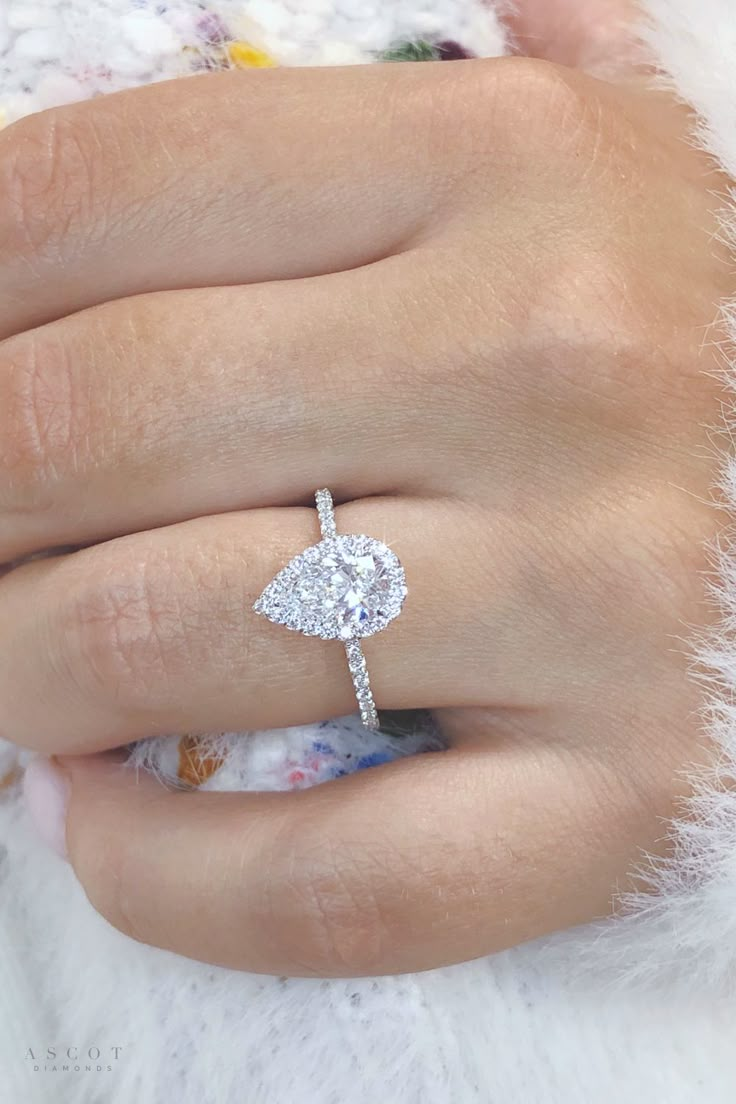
[(195, 766), (244, 56)]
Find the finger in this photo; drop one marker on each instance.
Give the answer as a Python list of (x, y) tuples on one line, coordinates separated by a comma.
[(155, 633), (434, 859), (144, 412), (222, 179)]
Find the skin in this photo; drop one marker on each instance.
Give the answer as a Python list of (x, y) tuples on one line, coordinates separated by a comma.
[(595, 35), (477, 300)]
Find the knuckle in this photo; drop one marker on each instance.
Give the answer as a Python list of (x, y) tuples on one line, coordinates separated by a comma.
[(533, 129), (501, 111), (553, 86), (41, 424), (49, 181), (594, 332), (542, 103), (121, 633)]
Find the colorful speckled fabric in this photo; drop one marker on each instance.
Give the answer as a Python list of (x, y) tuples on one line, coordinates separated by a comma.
[(46, 60)]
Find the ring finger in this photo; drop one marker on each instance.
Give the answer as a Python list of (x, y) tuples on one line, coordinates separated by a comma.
[(155, 633)]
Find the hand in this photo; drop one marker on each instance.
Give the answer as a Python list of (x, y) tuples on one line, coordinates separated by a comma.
[(473, 300)]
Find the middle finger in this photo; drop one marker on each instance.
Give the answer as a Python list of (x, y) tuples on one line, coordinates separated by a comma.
[(149, 411)]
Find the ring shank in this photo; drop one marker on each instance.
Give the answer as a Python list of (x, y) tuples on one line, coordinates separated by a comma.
[(326, 514), (361, 683)]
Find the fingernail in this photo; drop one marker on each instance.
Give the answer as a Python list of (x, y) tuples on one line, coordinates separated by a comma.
[(46, 791)]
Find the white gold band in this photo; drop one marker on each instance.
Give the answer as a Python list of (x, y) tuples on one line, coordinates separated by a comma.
[(326, 512), (361, 683)]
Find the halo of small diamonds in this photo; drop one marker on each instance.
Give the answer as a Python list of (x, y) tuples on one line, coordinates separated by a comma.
[(345, 588)]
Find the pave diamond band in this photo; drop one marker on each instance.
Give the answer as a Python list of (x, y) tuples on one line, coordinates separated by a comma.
[(361, 683), (326, 514), (344, 588)]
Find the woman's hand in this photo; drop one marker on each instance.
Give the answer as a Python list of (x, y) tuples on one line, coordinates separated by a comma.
[(472, 299)]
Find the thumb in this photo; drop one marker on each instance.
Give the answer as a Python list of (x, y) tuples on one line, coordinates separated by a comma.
[(597, 36)]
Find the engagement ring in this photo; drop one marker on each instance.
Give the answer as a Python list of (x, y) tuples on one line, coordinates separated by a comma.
[(344, 588)]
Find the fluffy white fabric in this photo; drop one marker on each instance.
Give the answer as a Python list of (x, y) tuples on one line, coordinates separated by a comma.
[(683, 934), (530, 1026)]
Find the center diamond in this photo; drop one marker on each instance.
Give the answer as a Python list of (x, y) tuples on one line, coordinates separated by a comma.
[(352, 586), (344, 587)]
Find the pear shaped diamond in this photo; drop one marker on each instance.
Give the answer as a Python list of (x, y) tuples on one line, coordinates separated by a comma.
[(344, 588)]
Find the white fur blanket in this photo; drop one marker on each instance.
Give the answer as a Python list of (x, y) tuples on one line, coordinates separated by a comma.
[(639, 1010)]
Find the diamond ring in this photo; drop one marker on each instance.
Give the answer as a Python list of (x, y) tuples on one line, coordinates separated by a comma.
[(344, 588)]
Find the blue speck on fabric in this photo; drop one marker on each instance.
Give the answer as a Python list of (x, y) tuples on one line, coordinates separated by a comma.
[(374, 759)]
